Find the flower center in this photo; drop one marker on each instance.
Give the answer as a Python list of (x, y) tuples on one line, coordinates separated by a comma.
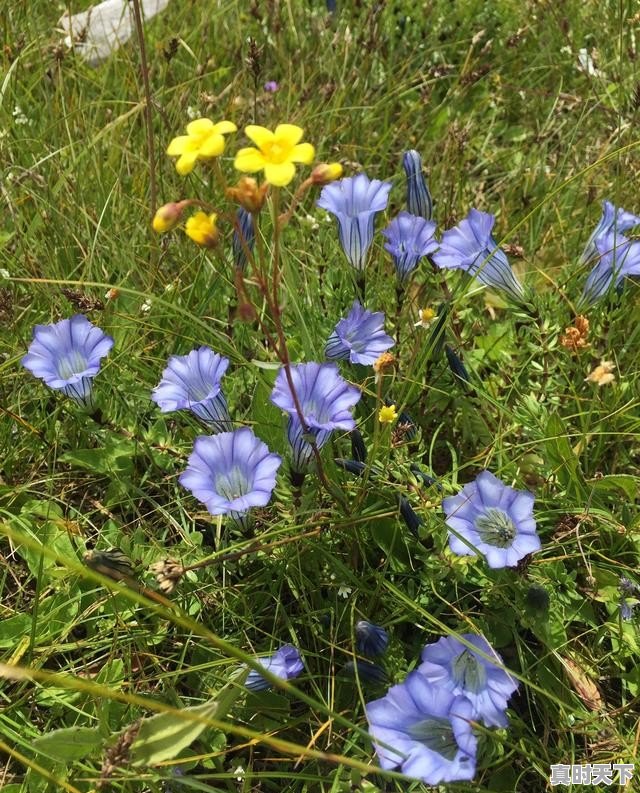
[(495, 527), (468, 672), (276, 152), (71, 364), (436, 734), (233, 484), (314, 414)]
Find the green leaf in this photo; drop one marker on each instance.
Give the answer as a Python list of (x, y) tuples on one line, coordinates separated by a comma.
[(164, 736), (69, 743), (561, 457), (611, 484), (13, 629)]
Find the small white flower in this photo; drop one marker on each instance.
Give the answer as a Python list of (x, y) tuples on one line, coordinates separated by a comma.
[(586, 63), (312, 222), (239, 772), (19, 117), (193, 113), (4, 273), (145, 308), (344, 591)]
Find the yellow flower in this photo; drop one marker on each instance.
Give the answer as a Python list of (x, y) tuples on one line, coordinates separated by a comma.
[(388, 414), (276, 153), (167, 217), (201, 228), (426, 317), (326, 172), (203, 141)]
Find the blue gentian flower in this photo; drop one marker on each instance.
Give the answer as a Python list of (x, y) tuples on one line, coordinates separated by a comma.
[(495, 519), (359, 337), (419, 200), (326, 402), (425, 730), (231, 472), (614, 220), (409, 238), (285, 663), (628, 602), (470, 246), (461, 671), (355, 201), (67, 355), (192, 382), (244, 236), (371, 639), (618, 257)]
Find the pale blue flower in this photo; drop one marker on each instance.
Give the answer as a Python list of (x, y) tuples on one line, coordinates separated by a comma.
[(425, 730), (231, 472), (285, 663), (409, 239), (462, 671), (67, 356), (354, 201), (494, 519), (470, 246), (359, 337)]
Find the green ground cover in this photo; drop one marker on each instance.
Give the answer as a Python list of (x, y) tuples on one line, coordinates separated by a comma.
[(508, 120)]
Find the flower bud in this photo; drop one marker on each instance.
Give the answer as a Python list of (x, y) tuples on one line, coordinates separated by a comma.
[(248, 194), (419, 200), (371, 639), (167, 217), (202, 229), (326, 172)]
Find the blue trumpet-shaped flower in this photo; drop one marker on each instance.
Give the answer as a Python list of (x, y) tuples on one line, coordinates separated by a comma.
[(462, 671), (494, 519), (355, 201), (244, 237), (614, 220), (371, 639), (325, 400), (359, 337), (192, 382), (409, 238), (470, 246), (66, 356), (285, 663), (618, 257), (419, 200), (425, 730), (231, 472)]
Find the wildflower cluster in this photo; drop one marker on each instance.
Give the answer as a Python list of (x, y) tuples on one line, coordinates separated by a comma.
[(426, 724)]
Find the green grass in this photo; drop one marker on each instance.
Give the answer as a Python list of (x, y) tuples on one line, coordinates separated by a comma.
[(492, 97)]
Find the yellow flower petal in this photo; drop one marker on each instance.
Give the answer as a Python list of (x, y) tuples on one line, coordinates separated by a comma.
[(224, 127), (177, 145), (279, 174), (249, 160), (200, 126), (288, 134), (303, 152), (201, 228), (185, 164), (213, 146), (259, 135)]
